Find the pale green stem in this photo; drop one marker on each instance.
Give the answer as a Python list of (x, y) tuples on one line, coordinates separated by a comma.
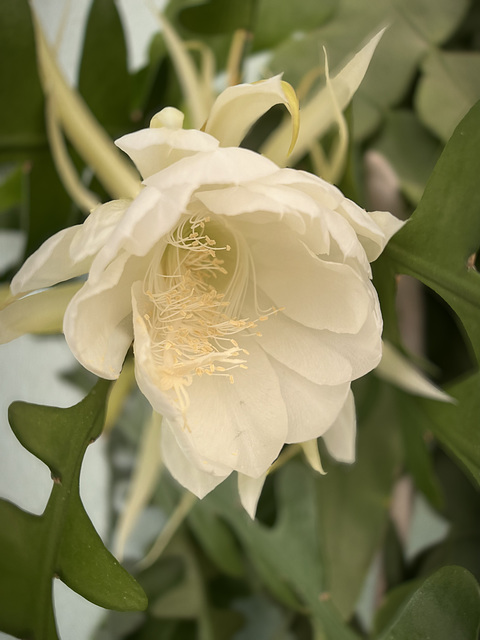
[(236, 54), (82, 196), (82, 129), (287, 454), (181, 511)]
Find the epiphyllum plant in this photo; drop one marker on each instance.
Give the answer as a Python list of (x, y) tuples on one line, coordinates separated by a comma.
[(244, 287)]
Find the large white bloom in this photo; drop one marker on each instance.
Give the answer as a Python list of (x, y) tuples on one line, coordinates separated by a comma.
[(244, 287)]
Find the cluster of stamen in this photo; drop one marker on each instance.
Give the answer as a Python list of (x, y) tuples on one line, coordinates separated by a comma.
[(191, 324)]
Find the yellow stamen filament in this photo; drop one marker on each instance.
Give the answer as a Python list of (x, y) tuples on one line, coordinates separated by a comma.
[(191, 322)]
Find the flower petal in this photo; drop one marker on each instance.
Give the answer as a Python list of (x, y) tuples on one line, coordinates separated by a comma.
[(340, 438), (374, 229), (154, 149), (221, 166), (249, 490), (312, 454), (307, 287), (241, 425), (98, 320), (311, 408), (397, 370), (237, 108), (180, 466), (69, 253), (37, 313)]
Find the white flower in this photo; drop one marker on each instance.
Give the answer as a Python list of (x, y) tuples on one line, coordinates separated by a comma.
[(245, 289)]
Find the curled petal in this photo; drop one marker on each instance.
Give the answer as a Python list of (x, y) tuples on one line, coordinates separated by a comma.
[(249, 490), (310, 449), (238, 108), (340, 438)]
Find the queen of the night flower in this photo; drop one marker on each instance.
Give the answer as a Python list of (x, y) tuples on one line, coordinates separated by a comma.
[(244, 287)]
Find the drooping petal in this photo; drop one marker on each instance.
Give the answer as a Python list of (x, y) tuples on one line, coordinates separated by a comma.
[(238, 108), (98, 321), (180, 466), (396, 369), (340, 438), (37, 313), (307, 287), (249, 490), (318, 114), (241, 425), (310, 450), (69, 253), (311, 408), (154, 149)]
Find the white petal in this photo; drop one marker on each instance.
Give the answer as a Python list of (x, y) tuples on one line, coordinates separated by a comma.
[(310, 449), (313, 291), (250, 490), (154, 149), (37, 313), (98, 321), (149, 217), (180, 466), (395, 368), (318, 114), (340, 438), (311, 408), (241, 425), (237, 108), (221, 166), (68, 253), (374, 229)]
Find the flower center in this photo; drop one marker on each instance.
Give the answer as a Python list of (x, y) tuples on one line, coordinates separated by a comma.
[(197, 287)]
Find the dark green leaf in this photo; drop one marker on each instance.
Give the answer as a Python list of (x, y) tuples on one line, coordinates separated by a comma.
[(218, 16), (62, 541), (21, 107), (446, 606), (104, 80)]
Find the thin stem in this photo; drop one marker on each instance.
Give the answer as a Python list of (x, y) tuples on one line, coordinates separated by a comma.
[(181, 511), (238, 49)]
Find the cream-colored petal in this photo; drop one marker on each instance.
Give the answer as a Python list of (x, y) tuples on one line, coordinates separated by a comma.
[(250, 490), (311, 408), (180, 466), (36, 313), (154, 149), (69, 253), (238, 108), (340, 438), (241, 425), (218, 167), (374, 229), (395, 368), (318, 114), (312, 454), (315, 292), (98, 321), (147, 220)]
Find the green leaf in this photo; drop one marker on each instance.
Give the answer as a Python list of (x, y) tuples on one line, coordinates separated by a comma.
[(435, 246), (411, 150), (217, 16), (62, 541), (449, 87), (288, 556), (21, 107), (351, 535), (104, 80), (446, 606)]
